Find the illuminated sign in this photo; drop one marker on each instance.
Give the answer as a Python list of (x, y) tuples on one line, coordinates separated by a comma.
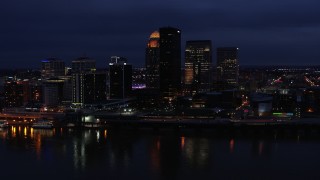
[(279, 114)]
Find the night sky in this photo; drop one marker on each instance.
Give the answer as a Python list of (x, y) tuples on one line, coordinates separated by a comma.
[(284, 32)]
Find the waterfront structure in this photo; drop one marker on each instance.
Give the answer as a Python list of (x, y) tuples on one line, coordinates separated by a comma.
[(52, 67), (83, 64), (88, 88), (227, 67), (170, 62), (311, 101), (120, 78), (261, 104), (152, 61), (198, 66)]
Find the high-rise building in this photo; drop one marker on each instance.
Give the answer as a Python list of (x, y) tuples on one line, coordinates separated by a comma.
[(198, 66), (52, 67), (170, 62), (153, 61), (227, 67), (88, 88), (120, 78), (83, 65)]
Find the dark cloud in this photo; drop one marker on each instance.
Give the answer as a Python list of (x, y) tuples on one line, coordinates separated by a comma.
[(267, 32)]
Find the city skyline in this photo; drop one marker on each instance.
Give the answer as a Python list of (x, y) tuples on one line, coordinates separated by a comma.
[(267, 33)]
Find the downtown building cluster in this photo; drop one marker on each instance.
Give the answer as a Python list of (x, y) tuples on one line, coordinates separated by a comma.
[(58, 85), (163, 65), (166, 85), (82, 83)]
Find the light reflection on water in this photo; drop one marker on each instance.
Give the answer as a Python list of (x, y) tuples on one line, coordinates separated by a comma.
[(169, 154)]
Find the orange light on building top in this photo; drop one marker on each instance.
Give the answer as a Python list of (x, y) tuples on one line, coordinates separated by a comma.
[(155, 35), (153, 44)]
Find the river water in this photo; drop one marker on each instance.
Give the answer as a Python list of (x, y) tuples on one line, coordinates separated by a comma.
[(59, 153)]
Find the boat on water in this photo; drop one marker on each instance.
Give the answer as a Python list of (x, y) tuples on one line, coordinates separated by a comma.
[(4, 123), (42, 124)]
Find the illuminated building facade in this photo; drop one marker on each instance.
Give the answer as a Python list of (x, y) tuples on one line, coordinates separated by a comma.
[(52, 67), (153, 61), (228, 66), (170, 62), (120, 78), (88, 88), (198, 64)]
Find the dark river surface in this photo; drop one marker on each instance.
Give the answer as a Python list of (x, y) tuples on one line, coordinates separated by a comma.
[(59, 153)]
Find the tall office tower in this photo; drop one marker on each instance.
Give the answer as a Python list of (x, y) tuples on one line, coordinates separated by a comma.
[(120, 78), (83, 65), (153, 61), (52, 67), (198, 66), (227, 67), (88, 88), (170, 62)]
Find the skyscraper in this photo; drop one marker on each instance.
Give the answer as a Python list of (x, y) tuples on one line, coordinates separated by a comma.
[(153, 61), (170, 62), (120, 78), (88, 88), (198, 64), (227, 66)]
